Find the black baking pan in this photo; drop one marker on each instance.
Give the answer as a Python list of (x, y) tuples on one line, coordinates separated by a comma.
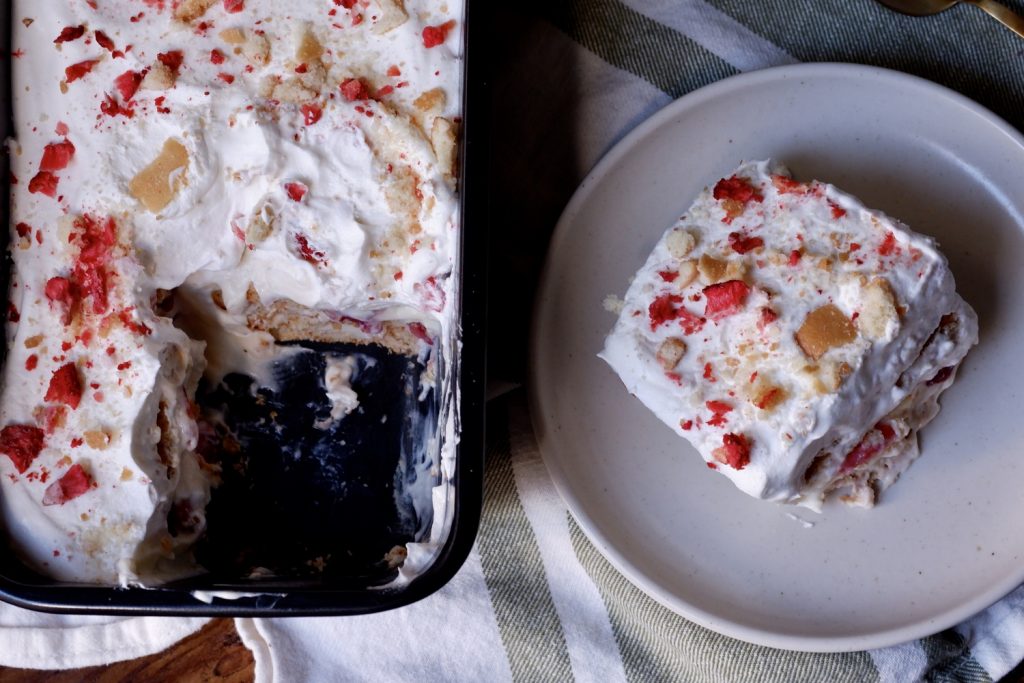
[(288, 495)]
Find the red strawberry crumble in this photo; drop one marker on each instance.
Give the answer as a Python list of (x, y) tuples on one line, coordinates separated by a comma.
[(718, 410), (234, 6), (354, 90), (56, 156), (311, 113), (888, 246), (104, 41), (872, 443), (741, 244), (663, 309), (43, 182), (738, 189), (128, 84), (76, 71), (22, 444), (735, 451), (65, 386), (296, 191), (70, 33), (308, 253), (725, 298), (74, 483), (436, 35), (172, 60)]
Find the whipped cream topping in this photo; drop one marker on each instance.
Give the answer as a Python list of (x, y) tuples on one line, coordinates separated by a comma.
[(245, 154), (779, 321)]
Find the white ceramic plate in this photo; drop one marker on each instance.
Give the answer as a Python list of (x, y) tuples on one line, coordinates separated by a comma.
[(947, 540)]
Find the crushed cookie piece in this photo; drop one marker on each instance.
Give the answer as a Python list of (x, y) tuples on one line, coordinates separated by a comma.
[(156, 185), (825, 328)]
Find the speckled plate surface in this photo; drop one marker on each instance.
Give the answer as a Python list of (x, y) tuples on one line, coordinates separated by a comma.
[(942, 544)]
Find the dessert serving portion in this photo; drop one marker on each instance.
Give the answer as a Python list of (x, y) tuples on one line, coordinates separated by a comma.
[(797, 339), (203, 189)]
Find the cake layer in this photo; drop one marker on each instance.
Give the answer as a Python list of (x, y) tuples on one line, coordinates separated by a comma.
[(778, 322)]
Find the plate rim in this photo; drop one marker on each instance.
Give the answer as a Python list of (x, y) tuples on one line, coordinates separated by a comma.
[(719, 624)]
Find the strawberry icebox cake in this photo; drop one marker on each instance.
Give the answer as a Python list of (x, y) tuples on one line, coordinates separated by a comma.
[(797, 339), (196, 183)]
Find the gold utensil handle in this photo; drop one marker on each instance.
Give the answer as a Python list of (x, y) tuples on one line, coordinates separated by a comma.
[(1005, 15)]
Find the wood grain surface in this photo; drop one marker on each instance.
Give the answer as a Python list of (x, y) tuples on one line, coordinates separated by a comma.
[(213, 655)]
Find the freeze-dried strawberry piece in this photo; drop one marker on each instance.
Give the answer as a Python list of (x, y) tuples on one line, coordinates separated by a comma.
[(738, 189), (725, 298), (787, 185), (690, 322), (112, 107), (50, 417), (74, 483), (172, 60), (308, 252), (354, 89), (65, 386), (741, 244), (709, 373), (837, 211), (234, 6), (57, 156), (419, 330), (394, 71), (69, 33), (104, 41), (735, 451), (431, 293), (768, 316), (436, 35), (296, 191), (888, 246), (795, 256), (60, 290), (663, 309), (131, 324), (227, 78), (44, 182), (311, 113), (91, 276), (718, 410), (128, 84), (76, 71), (24, 229), (22, 444), (872, 443), (216, 56)]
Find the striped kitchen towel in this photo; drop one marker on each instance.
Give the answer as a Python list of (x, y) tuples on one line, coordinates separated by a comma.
[(536, 601)]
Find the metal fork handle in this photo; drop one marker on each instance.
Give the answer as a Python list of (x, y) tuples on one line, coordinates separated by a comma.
[(1003, 14)]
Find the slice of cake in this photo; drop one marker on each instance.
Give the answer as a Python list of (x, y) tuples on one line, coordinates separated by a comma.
[(798, 340)]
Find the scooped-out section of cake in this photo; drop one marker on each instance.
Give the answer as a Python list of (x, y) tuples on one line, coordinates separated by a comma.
[(796, 338)]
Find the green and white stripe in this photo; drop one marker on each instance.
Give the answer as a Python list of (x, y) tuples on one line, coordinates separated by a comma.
[(536, 601)]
